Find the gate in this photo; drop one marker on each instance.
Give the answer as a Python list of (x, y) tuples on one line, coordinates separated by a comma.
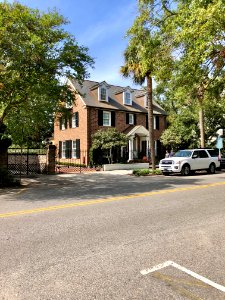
[(25, 161)]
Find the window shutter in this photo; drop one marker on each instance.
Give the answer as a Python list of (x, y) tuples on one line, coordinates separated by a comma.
[(127, 118), (66, 123), (60, 149), (156, 122), (135, 119), (146, 121), (60, 123), (77, 118), (100, 117), (68, 148), (113, 116), (78, 148)]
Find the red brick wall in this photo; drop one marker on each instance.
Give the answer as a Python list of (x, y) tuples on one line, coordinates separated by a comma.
[(120, 123), (88, 125), (73, 133)]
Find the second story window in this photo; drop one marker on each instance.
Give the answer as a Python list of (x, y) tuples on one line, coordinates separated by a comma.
[(62, 123), (75, 120), (106, 118), (131, 119)]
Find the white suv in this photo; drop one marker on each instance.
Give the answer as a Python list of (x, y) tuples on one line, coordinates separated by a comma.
[(189, 161)]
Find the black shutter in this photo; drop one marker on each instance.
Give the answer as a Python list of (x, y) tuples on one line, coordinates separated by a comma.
[(78, 148), (100, 117), (146, 121), (77, 118), (60, 123), (66, 123), (60, 149), (127, 118), (135, 119), (156, 122), (113, 116), (68, 148)]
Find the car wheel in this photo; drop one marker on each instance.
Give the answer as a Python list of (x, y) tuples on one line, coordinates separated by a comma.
[(212, 169), (186, 170)]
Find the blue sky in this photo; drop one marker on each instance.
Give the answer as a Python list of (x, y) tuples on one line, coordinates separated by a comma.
[(101, 26)]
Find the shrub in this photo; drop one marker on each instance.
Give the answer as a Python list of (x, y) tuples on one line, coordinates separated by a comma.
[(145, 172), (6, 179)]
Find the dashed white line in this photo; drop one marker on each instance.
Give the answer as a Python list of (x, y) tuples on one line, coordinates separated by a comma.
[(183, 269)]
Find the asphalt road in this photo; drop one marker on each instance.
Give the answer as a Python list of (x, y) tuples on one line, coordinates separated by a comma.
[(104, 236)]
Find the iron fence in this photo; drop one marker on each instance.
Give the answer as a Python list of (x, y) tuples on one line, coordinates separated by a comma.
[(25, 161)]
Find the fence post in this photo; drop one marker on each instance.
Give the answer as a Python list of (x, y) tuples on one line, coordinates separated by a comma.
[(4, 144), (51, 155), (3, 158)]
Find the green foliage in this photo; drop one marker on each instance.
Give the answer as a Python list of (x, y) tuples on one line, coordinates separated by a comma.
[(36, 55), (109, 139), (195, 32), (7, 180), (146, 172)]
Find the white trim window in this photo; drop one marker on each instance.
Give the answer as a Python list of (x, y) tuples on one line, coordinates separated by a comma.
[(74, 149), (75, 120), (103, 93), (127, 98), (106, 118), (131, 119), (63, 149), (63, 124)]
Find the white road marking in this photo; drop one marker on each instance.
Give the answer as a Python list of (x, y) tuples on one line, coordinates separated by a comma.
[(183, 269)]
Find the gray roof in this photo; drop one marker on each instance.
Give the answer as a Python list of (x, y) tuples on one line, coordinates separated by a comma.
[(90, 100)]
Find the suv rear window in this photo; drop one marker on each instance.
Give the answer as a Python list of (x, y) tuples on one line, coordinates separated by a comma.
[(213, 152)]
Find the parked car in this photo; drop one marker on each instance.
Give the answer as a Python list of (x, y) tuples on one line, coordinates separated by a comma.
[(218, 153), (189, 161)]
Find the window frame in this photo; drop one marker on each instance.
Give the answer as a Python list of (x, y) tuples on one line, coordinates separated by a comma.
[(110, 118), (63, 153), (75, 120), (74, 149), (100, 88), (125, 93), (131, 122)]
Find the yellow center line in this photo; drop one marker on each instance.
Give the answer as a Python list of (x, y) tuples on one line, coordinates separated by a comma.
[(105, 200)]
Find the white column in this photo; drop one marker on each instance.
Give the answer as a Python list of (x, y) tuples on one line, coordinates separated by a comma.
[(131, 142)]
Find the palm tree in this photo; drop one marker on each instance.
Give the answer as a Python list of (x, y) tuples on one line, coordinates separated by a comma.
[(133, 68)]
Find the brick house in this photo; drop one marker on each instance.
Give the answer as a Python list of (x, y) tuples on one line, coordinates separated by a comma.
[(102, 106)]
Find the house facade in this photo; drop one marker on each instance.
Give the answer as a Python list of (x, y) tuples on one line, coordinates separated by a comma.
[(99, 105)]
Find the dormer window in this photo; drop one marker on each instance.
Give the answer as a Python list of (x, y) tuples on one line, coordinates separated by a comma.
[(127, 97), (103, 92)]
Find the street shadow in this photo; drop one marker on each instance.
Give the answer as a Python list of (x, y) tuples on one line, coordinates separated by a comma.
[(78, 187)]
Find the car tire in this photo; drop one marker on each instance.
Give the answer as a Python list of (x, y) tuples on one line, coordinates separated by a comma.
[(186, 170), (212, 168)]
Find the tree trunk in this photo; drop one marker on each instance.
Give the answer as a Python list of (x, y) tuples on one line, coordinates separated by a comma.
[(202, 125), (150, 120)]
